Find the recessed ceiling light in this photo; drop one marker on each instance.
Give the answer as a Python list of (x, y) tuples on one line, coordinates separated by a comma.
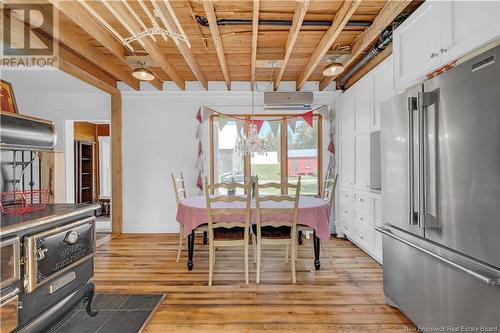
[(143, 73), (333, 69)]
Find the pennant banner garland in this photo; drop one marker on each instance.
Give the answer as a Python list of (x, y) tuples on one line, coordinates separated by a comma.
[(275, 126), (205, 113)]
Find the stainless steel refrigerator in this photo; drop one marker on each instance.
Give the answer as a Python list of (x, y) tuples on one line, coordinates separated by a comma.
[(440, 155)]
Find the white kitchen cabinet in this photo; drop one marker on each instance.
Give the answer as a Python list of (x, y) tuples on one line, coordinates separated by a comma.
[(376, 215), (467, 25), (383, 89), (362, 160), (347, 109), (364, 104), (347, 161), (439, 32), (417, 43)]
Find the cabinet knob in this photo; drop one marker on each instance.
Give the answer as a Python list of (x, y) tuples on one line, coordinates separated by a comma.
[(444, 50), (434, 55)]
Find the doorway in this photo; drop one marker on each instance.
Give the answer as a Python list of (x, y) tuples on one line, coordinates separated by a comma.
[(92, 171)]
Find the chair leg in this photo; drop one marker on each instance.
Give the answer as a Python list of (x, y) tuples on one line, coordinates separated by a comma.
[(293, 255), (246, 261), (259, 249), (210, 264), (286, 254), (213, 252), (181, 233), (254, 249)]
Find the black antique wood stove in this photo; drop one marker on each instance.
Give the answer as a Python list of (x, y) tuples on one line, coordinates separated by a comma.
[(47, 256)]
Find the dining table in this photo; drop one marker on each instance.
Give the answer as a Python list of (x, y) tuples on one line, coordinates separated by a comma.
[(312, 213)]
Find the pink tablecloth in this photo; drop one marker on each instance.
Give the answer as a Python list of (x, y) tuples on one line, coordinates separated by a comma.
[(313, 212)]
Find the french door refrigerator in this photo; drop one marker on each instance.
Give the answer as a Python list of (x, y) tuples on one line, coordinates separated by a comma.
[(440, 156)]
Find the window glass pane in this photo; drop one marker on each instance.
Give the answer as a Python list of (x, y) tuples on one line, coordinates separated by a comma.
[(266, 163), (228, 157), (303, 156)]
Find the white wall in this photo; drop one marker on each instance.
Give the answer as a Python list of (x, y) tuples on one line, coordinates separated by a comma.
[(57, 96), (159, 138), (158, 133)]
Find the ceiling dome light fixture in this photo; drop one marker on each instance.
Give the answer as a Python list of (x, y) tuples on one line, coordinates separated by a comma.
[(333, 69), (143, 73)]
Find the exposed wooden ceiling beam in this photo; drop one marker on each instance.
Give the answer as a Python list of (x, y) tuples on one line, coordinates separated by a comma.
[(386, 16), (209, 8), (167, 16), (79, 13), (193, 16), (131, 10), (67, 62), (255, 34), (298, 18), (151, 17), (122, 20), (151, 47), (104, 23), (341, 18)]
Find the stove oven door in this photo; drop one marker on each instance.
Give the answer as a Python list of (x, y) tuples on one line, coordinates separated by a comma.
[(51, 253)]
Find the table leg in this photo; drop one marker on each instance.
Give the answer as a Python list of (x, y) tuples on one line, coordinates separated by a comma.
[(299, 238), (316, 242), (205, 238), (190, 250)]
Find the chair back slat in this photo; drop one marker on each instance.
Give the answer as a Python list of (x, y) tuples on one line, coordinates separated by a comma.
[(179, 188), (229, 216), (329, 190), (279, 216)]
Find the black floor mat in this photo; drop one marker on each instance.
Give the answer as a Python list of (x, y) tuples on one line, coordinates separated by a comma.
[(117, 314)]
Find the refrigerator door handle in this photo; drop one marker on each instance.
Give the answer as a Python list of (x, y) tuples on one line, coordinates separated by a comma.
[(426, 220), (412, 106), (490, 280)]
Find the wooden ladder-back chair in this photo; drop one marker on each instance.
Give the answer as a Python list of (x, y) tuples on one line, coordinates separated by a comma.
[(228, 226), (328, 195), (274, 229), (181, 194)]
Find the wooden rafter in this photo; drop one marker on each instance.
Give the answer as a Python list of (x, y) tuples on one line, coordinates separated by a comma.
[(193, 16), (298, 18), (151, 47), (209, 8), (255, 34), (123, 21), (78, 13), (167, 16), (67, 62), (151, 17), (390, 11), (131, 10), (341, 18)]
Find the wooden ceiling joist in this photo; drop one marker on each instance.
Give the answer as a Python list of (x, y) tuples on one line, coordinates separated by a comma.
[(67, 62), (255, 34), (298, 18), (123, 21), (391, 10), (341, 18), (167, 16), (209, 8), (152, 19), (149, 45), (79, 15)]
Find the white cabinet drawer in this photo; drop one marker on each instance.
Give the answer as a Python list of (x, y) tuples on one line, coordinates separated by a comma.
[(361, 219), (363, 238), (346, 197), (345, 212), (361, 202), (347, 228)]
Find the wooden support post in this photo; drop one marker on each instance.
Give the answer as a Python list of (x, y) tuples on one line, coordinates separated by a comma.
[(116, 164)]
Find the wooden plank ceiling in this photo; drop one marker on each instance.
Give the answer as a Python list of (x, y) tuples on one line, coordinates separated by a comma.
[(94, 30)]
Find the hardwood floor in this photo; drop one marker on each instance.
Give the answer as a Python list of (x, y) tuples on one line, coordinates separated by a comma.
[(344, 296)]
